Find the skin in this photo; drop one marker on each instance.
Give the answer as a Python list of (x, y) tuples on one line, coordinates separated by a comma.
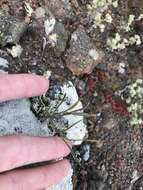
[(17, 151)]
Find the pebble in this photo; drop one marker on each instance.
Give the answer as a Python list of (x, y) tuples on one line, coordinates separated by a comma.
[(82, 56)]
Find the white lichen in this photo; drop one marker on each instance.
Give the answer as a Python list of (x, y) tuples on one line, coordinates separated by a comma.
[(97, 9), (86, 155), (94, 54), (135, 102), (140, 17), (101, 12), (114, 43), (122, 68), (108, 18), (49, 25), (47, 74), (15, 51), (136, 39), (118, 42), (74, 37), (53, 39), (130, 21)]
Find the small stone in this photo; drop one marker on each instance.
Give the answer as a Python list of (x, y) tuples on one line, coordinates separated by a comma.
[(11, 29), (49, 25), (57, 35), (3, 65), (40, 13), (122, 68), (61, 9), (58, 39), (86, 155), (82, 56), (110, 124)]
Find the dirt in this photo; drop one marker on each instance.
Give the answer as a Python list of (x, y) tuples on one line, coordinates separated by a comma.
[(116, 155)]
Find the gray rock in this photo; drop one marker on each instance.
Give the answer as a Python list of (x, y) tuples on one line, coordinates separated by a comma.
[(57, 35), (40, 13), (3, 65), (17, 118), (24, 121), (82, 56), (61, 9), (11, 29), (58, 39)]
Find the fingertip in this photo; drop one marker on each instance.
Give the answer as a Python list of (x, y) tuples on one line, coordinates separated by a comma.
[(63, 167), (43, 83), (16, 86), (64, 146), (67, 165)]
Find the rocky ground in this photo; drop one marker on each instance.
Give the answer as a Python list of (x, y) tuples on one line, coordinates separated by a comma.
[(97, 44)]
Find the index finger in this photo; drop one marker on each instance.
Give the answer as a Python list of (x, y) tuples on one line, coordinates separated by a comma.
[(15, 86)]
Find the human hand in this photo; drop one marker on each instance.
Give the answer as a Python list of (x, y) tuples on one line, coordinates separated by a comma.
[(16, 151)]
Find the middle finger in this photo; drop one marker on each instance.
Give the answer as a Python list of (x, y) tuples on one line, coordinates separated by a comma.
[(23, 150)]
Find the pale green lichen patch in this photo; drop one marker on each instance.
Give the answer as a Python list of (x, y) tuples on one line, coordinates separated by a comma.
[(118, 42), (130, 21), (135, 102), (98, 11), (103, 14)]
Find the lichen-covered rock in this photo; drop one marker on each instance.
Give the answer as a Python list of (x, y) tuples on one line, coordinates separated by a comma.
[(82, 56), (62, 111), (20, 120), (61, 9), (11, 29)]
